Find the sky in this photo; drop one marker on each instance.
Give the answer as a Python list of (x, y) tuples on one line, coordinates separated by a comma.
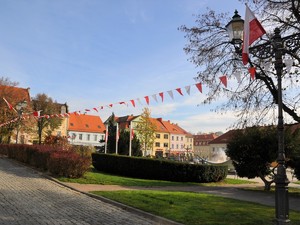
[(92, 53)]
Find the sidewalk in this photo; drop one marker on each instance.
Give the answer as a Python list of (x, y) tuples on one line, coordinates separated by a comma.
[(228, 191)]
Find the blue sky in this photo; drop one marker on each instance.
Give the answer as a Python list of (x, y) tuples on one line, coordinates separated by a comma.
[(90, 53)]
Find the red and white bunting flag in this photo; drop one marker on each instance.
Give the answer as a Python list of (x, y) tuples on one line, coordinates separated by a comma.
[(132, 102), (131, 134), (147, 99), (37, 113), (95, 109), (252, 31), (117, 133), (252, 72), (179, 91), (122, 103), (224, 80), (161, 94), (188, 89), (106, 134), (8, 104), (199, 86), (154, 97), (87, 110), (237, 75), (110, 105), (171, 94), (77, 113)]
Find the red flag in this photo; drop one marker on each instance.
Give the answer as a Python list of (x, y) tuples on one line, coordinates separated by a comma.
[(8, 104), (224, 80), (95, 109), (252, 31), (37, 113), (179, 91), (132, 102), (199, 86), (252, 72), (161, 94), (132, 134), (147, 99)]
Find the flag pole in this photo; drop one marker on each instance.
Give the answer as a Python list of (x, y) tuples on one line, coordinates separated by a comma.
[(117, 138), (130, 137), (106, 139)]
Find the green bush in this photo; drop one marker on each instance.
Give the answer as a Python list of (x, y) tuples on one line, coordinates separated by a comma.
[(147, 168)]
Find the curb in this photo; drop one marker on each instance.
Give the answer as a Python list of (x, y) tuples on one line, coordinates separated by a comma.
[(160, 220)]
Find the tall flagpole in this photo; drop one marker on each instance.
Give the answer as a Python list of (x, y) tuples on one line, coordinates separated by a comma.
[(117, 138), (106, 139), (130, 137)]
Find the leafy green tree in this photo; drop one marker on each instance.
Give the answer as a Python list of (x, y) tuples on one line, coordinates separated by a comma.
[(46, 106), (253, 101), (111, 140), (253, 149), (146, 130), (123, 144)]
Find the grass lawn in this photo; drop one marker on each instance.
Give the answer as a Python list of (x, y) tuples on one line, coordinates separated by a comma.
[(197, 208), (95, 177)]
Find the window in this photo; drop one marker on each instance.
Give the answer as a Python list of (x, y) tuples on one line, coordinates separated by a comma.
[(166, 145), (166, 136), (72, 124), (87, 126), (95, 137), (177, 146), (157, 144), (177, 138), (172, 138), (80, 137), (88, 137), (157, 135), (172, 146), (181, 138)]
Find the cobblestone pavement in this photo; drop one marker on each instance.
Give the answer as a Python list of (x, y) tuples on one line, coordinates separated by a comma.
[(27, 198)]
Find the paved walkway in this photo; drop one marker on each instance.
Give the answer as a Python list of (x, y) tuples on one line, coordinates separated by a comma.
[(27, 198)]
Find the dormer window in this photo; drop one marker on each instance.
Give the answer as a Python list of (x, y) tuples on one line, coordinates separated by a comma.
[(72, 124), (86, 125)]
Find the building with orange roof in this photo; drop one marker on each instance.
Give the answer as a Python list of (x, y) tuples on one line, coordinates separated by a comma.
[(201, 144), (181, 141), (85, 130), (15, 97)]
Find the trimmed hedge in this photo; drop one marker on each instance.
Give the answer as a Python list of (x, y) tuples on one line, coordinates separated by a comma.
[(49, 158), (147, 168)]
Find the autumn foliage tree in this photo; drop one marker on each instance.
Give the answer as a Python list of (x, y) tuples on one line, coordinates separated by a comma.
[(46, 106), (252, 100)]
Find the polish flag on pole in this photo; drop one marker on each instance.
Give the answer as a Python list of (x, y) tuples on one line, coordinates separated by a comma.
[(252, 31)]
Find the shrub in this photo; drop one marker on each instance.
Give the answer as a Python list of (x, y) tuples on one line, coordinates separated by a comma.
[(148, 168), (52, 158), (68, 164)]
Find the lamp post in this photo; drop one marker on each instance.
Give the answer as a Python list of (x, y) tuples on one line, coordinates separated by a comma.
[(20, 107), (276, 48)]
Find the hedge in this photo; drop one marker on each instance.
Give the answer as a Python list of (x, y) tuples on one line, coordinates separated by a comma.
[(147, 168), (57, 161)]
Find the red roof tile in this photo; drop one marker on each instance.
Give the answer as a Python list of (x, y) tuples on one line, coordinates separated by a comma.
[(86, 123)]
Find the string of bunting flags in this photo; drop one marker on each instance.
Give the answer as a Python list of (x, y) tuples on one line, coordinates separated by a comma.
[(132, 102)]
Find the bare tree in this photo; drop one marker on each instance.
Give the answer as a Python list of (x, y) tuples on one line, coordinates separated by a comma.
[(253, 100)]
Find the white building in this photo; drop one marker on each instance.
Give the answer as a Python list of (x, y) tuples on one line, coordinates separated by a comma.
[(85, 130)]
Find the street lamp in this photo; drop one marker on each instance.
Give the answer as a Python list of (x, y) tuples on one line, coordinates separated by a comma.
[(276, 48), (20, 107)]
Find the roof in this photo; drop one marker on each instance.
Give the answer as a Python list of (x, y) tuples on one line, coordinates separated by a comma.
[(224, 138), (14, 94), (86, 123), (205, 137)]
